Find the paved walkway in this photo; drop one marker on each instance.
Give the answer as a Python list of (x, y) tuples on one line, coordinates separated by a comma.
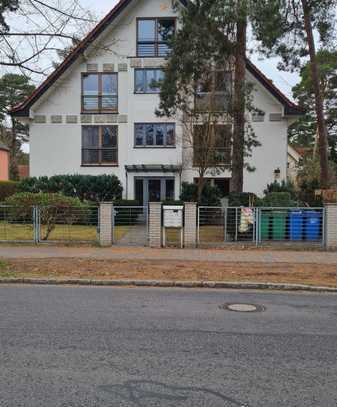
[(136, 253)]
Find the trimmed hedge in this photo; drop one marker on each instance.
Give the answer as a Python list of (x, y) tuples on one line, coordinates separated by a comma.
[(85, 187), (7, 188)]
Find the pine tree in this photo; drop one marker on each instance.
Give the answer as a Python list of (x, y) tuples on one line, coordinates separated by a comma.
[(286, 28)]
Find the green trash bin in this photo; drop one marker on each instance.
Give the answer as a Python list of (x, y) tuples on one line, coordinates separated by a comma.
[(266, 225), (279, 225)]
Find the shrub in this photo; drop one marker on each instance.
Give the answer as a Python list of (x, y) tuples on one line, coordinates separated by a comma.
[(54, 208), (278, 199), (85, 187), (7, 188), (284, 186), (211, 196), (246, 199)]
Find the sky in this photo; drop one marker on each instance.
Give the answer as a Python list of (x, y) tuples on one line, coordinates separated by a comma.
[(284, 80)]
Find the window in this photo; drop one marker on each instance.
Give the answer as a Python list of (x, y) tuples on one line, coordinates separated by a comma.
[(155, 135), (99, 145), (213, 148), (99, 92), (153, 35), (148, 80), (214, 92)]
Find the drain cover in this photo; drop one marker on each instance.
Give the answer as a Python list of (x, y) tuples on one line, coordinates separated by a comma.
[(244, 307)]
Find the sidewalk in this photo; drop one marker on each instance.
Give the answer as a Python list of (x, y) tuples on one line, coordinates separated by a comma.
[(188, 255)]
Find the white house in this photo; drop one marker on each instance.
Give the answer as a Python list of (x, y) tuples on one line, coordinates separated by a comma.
[(96, 113)]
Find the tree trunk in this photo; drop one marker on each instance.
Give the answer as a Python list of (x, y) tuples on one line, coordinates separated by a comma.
[(239, 105), (13, 161), (321, 124)]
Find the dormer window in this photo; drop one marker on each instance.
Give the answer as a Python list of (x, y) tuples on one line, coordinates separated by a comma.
[(153, 35)]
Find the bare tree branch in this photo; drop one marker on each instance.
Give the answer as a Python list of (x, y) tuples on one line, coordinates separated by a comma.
[(39, 30)]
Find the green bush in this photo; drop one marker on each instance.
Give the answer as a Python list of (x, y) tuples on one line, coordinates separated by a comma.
[(245, 199), (211, 196), (85, 187), (284, 186), (278, 199), (54, 208), (7, 188)]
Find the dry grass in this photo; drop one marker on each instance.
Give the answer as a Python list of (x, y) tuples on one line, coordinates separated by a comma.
[(312, 274), (80, 233)]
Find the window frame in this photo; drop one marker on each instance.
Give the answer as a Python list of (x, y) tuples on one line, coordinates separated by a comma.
[(156, 41), (143, 70), (146, 146), (100, 163), (225, 149), (201, 95), (100, 95)]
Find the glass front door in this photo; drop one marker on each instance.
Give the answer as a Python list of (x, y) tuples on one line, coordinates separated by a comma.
[(154, 190)]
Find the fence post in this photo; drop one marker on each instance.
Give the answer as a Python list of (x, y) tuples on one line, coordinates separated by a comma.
[(105, 223), (190, 227), (330, 226), (155, 224)]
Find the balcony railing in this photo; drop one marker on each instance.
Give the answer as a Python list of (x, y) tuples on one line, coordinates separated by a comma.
[(100, 156), (100, 103)]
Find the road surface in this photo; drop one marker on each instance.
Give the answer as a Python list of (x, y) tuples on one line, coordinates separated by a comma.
[(88, 347)]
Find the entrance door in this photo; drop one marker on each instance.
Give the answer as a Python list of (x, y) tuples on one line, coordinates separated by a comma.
[(154, 190)]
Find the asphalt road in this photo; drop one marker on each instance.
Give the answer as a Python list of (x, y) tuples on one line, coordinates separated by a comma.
[(81, 347)]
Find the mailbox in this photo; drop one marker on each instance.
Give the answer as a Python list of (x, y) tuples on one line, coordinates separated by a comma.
[(173, 216)]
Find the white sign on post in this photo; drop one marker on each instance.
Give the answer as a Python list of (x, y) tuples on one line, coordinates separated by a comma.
[(173, 216)]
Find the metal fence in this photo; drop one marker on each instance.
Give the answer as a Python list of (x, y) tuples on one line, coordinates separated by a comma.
[(48, 224), (15, 227), (221, 226), (130, 225)]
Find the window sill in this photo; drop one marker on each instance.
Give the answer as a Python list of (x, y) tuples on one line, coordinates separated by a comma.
[(147, 56), (99, 165), (146, 93), (84, 112), (155, 147)]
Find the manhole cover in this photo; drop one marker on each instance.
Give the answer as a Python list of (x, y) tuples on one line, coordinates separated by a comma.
[(244, 307)]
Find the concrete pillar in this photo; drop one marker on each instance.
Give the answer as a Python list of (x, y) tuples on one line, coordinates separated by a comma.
[(331, 226), (190, 228), (105, 223), (155, 224)]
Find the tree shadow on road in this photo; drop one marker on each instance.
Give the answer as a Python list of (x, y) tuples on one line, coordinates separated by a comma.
[(146, 393)]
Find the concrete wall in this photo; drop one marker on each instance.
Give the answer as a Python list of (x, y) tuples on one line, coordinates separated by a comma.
[(55, 148)]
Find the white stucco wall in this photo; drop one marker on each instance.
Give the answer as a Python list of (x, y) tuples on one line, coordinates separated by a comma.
[(56, 148)]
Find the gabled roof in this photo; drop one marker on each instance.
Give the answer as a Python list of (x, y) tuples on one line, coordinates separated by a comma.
[(290, 108), (22, 110)]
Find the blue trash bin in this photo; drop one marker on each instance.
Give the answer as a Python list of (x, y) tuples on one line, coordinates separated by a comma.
[(313, 225), (296, 225)]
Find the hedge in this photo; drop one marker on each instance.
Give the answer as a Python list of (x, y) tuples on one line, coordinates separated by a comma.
[(85, 187), (7, 188), (211, 196)]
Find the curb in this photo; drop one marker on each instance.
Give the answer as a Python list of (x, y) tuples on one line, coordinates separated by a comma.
[(171, 284)]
